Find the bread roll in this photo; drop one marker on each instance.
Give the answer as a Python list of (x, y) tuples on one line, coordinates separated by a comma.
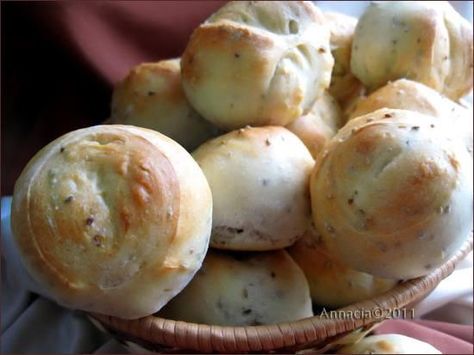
[(389, 344), (320, 124), (243, 289), (331, 283), (425, 41), (259, 181), (392, 194), (112, 219), (410, 95), (151, 96), (257, 63), (344, 85)]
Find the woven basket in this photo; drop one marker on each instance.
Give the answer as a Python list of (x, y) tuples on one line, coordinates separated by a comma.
[(164, 335)]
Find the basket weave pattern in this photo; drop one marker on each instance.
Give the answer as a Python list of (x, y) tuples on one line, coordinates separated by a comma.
[(174, 336)]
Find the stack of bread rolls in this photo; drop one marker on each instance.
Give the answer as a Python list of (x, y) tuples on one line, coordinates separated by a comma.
[(326, 161)]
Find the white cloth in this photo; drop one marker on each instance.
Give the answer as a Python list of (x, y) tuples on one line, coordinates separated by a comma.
[(32, 323)]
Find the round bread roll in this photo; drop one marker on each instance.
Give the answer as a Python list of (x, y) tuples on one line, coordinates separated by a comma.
[(319, 124), (392, 194), (344, 85), (426, 41), (257, 63), (243, 289), (259, 179), (331, 283), (410, 95), (112, 219), (151, 96), (389, 344)]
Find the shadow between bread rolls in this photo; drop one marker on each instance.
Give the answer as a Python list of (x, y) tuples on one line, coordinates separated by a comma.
[(344, 86), (332, 284)]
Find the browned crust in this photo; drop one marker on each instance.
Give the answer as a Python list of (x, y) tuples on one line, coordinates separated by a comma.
[(152, 188), (225, 37), (413, 193), (137, 89)]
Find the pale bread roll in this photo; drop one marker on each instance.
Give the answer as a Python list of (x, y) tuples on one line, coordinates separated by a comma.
[(319, 124), (257, 63), (425, 41), (151, 96), (112, 219), (389, 344), (392, 194), (331, 283), (259, 181), (238, 289), (410, 95), (344, 85)]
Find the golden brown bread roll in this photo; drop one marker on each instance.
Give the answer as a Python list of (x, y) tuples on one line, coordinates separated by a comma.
[(392, 194), (259, 181), (257, 63), (331, 283), (344, 85), (319, 124), (425, 41), (237, 289), (112, 219), (151, 96), (389, 344), (410, 95)]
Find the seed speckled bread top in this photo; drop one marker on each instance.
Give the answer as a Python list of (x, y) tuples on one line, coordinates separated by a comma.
[(151, 96), (259, 180), (257, 63), (112, 219), (243, 289), (389, 186), (425, 41), (410, 95)]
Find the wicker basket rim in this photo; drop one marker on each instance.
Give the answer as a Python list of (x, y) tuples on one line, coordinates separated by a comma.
[(212, 338)]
